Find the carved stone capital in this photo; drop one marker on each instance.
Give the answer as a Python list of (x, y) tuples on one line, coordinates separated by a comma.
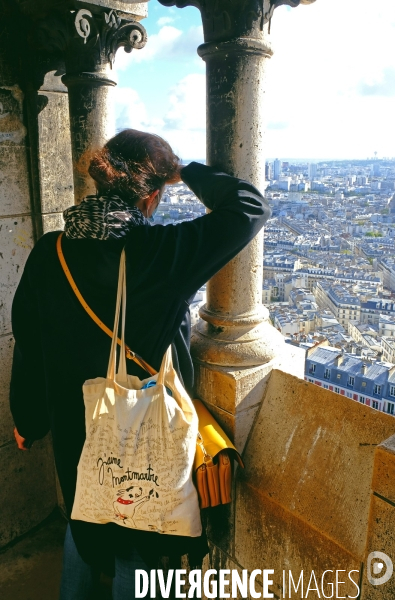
[(227, 19), (88, 41)]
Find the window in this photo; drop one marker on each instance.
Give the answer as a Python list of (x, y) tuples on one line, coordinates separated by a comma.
[(326, 386), (311, 380), (338, 375), (364, 384), (377, 390), (375, 404), (312, 368), (327, 374), (337, 390), (351, 381), (392, 390), (362, 399), (390, 408), (349, 395)]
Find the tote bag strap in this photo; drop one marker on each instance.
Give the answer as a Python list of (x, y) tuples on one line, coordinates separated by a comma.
[(121, 301), (129, 353)]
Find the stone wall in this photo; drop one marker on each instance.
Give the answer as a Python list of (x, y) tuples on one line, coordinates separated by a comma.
[(35, 186), (317, 492)]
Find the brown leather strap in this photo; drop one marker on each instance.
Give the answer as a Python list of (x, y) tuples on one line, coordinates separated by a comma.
[(129, 353)]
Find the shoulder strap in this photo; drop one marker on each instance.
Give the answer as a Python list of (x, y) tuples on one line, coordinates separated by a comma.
[(129, 353)]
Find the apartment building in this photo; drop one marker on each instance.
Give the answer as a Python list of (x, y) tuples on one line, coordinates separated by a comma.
[(388, 347), (349, 375), (340, 301)]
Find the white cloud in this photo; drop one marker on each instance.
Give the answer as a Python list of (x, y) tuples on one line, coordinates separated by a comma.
[(170, 43), (185, 121), (131, 111), (330, 80), (182, 124), (165, 21), (188, 104), (329, 88)]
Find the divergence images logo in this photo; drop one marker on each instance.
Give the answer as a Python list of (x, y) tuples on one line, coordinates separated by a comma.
[(379, 559)]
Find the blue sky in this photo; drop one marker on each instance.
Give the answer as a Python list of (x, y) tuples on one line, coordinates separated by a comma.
[(330, 89)]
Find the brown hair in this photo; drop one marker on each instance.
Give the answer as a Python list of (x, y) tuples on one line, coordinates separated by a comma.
[(133, 164)]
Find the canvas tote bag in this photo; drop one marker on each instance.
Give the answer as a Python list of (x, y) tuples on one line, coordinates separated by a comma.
[(136, 464)]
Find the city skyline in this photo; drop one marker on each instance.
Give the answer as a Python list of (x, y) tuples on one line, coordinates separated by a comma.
[(326, 97)]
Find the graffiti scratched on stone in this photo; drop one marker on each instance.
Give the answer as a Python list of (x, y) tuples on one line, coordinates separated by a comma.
[(11, 127)]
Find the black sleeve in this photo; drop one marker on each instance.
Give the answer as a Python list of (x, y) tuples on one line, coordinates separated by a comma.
[(28, 383), (192, 252)]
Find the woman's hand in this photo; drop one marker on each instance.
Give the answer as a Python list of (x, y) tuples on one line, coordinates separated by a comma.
[(21, 442)]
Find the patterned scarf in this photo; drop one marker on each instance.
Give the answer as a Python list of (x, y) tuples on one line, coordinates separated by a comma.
[(102, 218)]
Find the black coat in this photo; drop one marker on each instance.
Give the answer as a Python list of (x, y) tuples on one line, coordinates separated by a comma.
[(58, 346)]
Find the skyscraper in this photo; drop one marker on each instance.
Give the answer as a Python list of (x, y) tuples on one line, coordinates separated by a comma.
[(277, 169), (312, 171)]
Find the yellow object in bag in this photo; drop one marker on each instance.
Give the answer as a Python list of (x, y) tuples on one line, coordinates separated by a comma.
[(213, 460)]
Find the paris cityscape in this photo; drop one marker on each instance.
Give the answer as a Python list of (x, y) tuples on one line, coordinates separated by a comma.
[(328, 269)]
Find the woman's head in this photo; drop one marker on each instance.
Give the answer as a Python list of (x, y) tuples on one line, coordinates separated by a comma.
[(134, 165)]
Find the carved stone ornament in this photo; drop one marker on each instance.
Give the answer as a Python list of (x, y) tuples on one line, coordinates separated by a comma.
[(88, 40), (227, 19)]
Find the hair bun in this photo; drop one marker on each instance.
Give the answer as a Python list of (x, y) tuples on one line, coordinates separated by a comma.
[(133, 164)]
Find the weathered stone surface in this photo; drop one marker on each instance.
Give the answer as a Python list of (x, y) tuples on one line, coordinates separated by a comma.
[(311, 452), (270, 537), (55, 164), (14, 183), (16, 236), (291, 360), (220, 560), (31, 569), (53, 83), (234, 389), (384, 470), (240, 388), (6, 422), (381, 538), (37, 8), (28, 492), (236, 426), (53, 222)]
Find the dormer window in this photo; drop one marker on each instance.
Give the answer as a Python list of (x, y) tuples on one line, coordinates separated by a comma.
[(377, 390), (351, 381), (327, 374)]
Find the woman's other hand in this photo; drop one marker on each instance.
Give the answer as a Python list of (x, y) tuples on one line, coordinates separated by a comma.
[(21, 442)]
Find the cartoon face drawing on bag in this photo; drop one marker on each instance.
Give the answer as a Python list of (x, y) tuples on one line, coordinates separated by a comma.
[(129, 501)]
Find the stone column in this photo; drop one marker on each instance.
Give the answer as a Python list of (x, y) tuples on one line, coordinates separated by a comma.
[(235, 328), (234, 346), (88, 41)]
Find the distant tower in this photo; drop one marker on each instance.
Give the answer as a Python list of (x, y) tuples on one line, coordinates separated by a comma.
[(268, 171), (277, 169), (312, 171)]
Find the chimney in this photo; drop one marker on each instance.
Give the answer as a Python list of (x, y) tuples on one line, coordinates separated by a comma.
[(339, 360), (364, 368)]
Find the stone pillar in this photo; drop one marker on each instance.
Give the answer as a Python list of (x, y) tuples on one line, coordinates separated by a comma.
[(235, 329), (88, 41), (234, 346)]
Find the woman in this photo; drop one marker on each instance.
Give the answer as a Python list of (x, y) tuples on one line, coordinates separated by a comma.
[(58, 346)]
